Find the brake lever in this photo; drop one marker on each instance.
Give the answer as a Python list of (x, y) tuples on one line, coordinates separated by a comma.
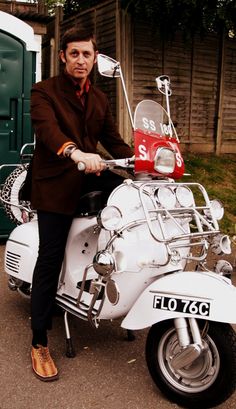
[(127, 163)]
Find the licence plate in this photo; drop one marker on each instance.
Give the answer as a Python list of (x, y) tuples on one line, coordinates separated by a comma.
[(186, 306)]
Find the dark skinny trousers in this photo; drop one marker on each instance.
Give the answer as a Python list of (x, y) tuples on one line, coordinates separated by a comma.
[(53, 233)]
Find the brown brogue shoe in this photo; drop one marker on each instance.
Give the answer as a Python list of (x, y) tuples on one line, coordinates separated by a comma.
[(42, 364)]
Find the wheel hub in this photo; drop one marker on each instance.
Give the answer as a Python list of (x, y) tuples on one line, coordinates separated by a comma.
[(195, 373)]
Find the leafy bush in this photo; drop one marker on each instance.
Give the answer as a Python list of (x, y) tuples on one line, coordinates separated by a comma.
[(218, 175)]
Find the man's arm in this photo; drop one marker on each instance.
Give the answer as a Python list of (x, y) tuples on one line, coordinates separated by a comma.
[(44, 120)]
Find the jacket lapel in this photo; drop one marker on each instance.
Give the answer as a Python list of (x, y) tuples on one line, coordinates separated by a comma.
[(68, 92), (89, 103)]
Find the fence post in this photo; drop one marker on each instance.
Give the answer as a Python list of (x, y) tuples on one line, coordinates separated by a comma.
[(220, 95)]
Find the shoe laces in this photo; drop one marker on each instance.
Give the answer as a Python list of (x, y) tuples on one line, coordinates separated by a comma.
[(44, 354)]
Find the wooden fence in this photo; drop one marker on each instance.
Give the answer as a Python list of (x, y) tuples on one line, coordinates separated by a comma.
[(202, 73), (203, 78)]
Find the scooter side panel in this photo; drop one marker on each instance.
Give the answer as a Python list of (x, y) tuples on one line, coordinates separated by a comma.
[(80, 249), (203, 295), (21, 251)]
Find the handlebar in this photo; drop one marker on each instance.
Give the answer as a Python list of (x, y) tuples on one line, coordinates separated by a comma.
[(127, 163), (81, 166)]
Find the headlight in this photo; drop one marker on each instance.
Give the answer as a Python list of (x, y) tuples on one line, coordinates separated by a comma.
[(166, 197), (216, 208), (184, 196), (164, 161), (110, 218)]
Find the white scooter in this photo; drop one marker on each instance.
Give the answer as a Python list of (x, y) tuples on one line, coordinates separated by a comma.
[(143, 257)]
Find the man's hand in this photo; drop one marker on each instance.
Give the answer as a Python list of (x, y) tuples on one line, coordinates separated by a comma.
[(92, 161)]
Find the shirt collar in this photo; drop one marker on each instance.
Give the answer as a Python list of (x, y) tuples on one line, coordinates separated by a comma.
[(77, 85)]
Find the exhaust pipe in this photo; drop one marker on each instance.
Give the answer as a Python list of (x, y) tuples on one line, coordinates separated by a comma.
[(12, 284)]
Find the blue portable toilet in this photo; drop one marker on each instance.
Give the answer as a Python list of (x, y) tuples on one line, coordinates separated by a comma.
[(20, 67)]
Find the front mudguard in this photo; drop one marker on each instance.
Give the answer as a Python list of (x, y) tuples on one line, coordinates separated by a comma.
[(204, 295)]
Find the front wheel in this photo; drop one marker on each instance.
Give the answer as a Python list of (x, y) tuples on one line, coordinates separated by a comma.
[(205, 383)]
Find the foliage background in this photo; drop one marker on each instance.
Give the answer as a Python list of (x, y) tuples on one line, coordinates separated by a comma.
[(189, 16), (169, 16), (218, 175)]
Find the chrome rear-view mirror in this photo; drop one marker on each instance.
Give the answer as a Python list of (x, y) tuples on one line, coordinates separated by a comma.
[(107, 66)]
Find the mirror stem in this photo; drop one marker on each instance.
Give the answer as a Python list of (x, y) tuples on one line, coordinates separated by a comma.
[(126, 98), (168, 105)]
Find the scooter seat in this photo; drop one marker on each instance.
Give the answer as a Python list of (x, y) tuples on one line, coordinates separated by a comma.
[(91, 203)]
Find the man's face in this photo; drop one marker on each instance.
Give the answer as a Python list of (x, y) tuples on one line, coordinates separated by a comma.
[(79, 58)]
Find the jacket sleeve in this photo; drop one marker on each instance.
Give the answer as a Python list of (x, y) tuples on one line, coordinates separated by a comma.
[(44, 119)]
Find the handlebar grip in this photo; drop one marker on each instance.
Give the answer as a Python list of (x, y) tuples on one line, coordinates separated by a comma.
[(81, 166)]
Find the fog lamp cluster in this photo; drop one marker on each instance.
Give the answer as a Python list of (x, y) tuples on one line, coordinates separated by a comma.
[(169, 198)]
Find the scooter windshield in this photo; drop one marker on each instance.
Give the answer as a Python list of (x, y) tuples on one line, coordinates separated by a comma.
[(156, 142), (151, 117)]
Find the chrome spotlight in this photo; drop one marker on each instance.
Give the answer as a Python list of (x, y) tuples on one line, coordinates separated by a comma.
[(224, 268), (103, 263), (166, 197), (216, 208), (110, 218)]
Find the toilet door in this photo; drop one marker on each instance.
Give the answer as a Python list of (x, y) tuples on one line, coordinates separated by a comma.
[(11, 97)]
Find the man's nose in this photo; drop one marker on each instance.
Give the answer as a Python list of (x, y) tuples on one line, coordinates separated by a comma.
[(80, 59)]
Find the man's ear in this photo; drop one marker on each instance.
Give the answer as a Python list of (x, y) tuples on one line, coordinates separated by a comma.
[(62, 56), (95, 57)]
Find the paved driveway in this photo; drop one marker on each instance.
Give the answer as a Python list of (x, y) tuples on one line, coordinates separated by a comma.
[(107, 373)]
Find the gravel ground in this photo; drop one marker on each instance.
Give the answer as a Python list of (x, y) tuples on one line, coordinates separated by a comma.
[(107, 373)]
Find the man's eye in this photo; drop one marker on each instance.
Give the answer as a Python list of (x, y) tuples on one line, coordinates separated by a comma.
[(74, 54)]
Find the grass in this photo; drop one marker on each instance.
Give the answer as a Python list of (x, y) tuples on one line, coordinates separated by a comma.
[(218, 175)]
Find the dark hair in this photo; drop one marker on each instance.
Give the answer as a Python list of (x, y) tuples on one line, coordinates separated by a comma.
[(75, 34)]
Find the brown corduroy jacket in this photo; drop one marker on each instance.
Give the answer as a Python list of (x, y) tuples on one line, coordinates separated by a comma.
[(58, 117)]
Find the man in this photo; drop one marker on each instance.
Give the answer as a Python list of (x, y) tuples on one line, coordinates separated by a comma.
[(69, 116)]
